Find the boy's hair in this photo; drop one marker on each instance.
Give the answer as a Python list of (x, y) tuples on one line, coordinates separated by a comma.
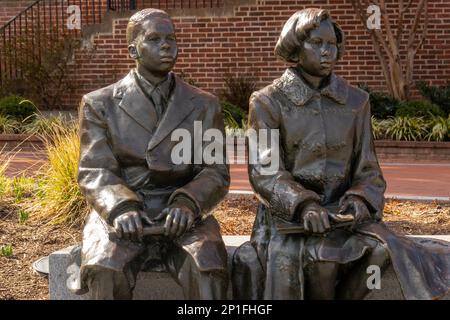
[(296, 30), (136, 21)]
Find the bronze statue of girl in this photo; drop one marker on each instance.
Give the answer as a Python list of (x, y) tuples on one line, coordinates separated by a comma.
[(319, 224)]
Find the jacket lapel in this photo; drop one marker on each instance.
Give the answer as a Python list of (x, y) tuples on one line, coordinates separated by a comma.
[(134, 102), (180, 105)]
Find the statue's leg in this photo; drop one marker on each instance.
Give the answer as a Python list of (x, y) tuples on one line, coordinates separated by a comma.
[(247, 274), (108, 266), (320, 280), (354, 284), (107, 284), (196, 284), (284, 270)]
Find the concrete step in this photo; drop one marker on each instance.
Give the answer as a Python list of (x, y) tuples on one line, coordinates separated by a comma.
[(160, 286)]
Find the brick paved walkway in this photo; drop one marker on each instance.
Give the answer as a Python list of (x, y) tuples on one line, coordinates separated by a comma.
[(403, 179)]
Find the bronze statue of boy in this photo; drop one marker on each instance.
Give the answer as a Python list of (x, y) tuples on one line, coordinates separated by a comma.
[(318, 227), (129, 179)]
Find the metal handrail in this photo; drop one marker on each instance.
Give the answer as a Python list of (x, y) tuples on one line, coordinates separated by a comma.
[(18, 15), (23, 36), (127, 5), (26, 36)]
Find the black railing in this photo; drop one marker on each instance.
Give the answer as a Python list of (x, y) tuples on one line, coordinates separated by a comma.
[(125, 5), (36, 28)]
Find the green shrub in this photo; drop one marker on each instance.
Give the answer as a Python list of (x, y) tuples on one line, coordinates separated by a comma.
[(34, 124), (17, 108), (48, 79), (419, 108), (379, 128), (21, 187), (381, 104), (23, 216), (9, 125), (233, 116), (238, 89), (412, 128), (406, 128), (438, 129), (45, 126), (439, 95), (6, 251)]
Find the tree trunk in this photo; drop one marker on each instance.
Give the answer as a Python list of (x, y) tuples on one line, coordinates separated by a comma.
[(398, 79)]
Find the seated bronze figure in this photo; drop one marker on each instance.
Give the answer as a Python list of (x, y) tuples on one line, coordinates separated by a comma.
[(319, 224), (149, 213)]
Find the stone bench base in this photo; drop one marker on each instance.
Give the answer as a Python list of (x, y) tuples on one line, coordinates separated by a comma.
[(160, 286)]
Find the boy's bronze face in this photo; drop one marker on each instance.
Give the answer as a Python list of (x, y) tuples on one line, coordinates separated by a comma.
[(155, 46), (319, 52)]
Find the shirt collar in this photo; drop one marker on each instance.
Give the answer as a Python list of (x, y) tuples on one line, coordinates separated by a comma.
[(295, 88), (165, 87)]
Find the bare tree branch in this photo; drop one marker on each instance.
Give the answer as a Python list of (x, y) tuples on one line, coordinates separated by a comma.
[(362, 14), (412, 50), (425, 28), (402, 10), (390, 35), (408, 5), (400, 22), (413, 30), (378, 34)]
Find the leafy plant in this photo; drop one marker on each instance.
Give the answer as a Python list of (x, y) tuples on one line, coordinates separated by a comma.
[(419, 108), (233, 116), (44, 125), (4, 181), (238, 89), (235, 132), (47, 80), (6, 251), (228, 120), (412, 128), (439, 129), (60, 199), (17, 190), (379, 128), (21, 186), (17, 107), (23, 216), (382, 105), (439, 95), (34, 124), (8, 125), (406, 128)]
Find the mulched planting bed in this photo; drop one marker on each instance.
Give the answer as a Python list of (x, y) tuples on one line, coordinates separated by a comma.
[(236, 215), (31, 240)]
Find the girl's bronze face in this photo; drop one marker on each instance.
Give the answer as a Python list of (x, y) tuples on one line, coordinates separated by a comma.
[(319, 51)]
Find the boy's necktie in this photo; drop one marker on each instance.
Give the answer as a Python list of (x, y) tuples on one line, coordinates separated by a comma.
[(158, 101)]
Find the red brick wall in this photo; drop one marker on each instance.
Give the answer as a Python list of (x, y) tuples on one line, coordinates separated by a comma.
[(242, 40), (10, 8)]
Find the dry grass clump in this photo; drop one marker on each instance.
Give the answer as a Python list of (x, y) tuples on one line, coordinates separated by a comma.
[(58, 198)]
